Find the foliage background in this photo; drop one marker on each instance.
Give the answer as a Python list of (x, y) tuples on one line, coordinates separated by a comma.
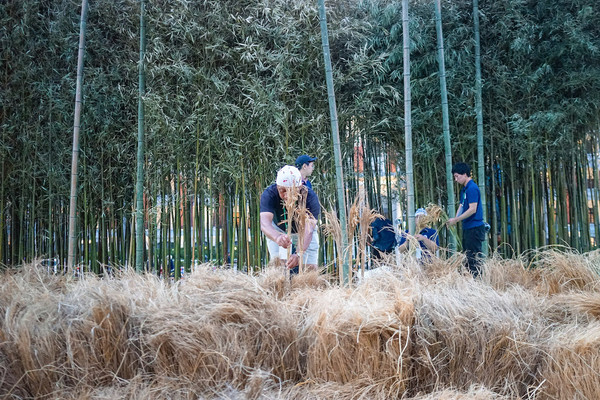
[(235, 89)]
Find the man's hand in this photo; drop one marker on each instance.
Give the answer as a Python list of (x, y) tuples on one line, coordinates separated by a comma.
[(452, 221), (293, 261), (283, 240)]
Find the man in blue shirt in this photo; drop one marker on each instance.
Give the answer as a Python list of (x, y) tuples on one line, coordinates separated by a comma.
[(273, 219), (306, 166), (384, 237), (471, 215)]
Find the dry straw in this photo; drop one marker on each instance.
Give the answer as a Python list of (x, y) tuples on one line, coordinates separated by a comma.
[(360, 218), (302, 218), (571, 369), (466, 334), (332, 228), (526, 330), (563, 270), (353, 335), (291, 205)]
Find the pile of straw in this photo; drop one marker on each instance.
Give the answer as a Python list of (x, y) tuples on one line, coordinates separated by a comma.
[(526, 329)]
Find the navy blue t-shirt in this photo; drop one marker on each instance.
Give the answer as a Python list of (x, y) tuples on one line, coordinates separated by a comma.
[(471, 194), (271, 202), (384, 236)]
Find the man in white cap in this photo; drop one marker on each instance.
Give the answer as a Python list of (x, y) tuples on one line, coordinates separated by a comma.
[(273, 220)]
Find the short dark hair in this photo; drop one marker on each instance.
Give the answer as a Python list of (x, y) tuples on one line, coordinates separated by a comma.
[(461, 168)]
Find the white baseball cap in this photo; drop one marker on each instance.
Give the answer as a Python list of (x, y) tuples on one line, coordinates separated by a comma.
[(420, 211), (289, 176)]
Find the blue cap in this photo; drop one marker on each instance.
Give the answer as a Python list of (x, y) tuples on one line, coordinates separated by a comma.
[(304, 159)]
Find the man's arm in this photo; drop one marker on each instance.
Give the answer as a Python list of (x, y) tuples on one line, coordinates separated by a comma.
[(459, 217), (430, 244), (403, 242), (266, 226)]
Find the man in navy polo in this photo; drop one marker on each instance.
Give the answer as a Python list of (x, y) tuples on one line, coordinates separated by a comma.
[(471, 215), (306, 166)]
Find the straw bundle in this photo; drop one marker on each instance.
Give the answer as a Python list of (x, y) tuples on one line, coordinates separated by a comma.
[(332, 228), (434, 218), (74, 337), (219, 329), (291, 203), (564, 270), (424, 330), (580, 304), (302, 218), (467, 334), (502, 274), (357, 335), (572, 368)]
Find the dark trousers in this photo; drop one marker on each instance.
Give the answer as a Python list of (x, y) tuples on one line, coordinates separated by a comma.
[(472, 243)]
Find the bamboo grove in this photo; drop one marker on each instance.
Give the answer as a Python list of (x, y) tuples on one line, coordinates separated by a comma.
[(236, 89)]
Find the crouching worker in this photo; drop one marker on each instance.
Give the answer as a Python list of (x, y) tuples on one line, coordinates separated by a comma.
[(273, 220), (384, 237), (427, 237)]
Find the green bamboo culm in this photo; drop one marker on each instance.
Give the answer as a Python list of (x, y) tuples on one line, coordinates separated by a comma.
[(336, 139), (445, 115), (139, 187), (71, 253), (481, 181), (410, 187)]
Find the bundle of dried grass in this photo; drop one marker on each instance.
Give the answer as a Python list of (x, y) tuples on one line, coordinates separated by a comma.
[(354, 335), (572, 368), (565, 270), (31, 354), (303, 220), (435, 268), (291, 204), (579, 304), (502, 274), (220, 328), (332, 228), (417, 329), (353, 224), (81, 336), (360, 218), (466, 334), (367, 216), (435, 217)]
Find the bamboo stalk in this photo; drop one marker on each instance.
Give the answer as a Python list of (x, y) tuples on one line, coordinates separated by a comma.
[(335, 133), (177, 220), (445, 115), (75, 154), (139, 187)]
